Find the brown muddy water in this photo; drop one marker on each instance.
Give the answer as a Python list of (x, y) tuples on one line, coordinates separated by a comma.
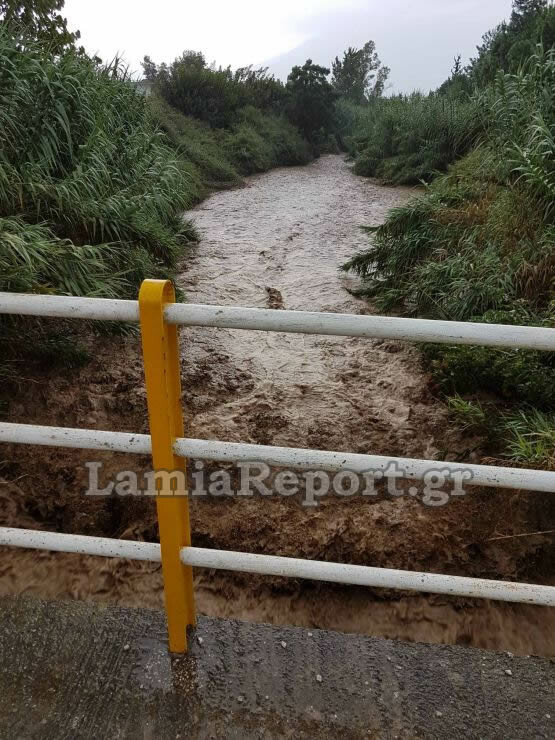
[(278, 243)]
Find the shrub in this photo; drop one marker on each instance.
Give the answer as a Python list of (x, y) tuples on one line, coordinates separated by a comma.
[(259, 141), (215, 96), (406, 139), (248, 150)]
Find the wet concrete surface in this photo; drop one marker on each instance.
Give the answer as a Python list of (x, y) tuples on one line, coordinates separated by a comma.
[(82, 670)]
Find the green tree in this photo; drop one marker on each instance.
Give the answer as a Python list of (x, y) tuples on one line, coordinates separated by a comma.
[(509, 45), (522, 8), (360, 74), (202, 91), (150, 70), (40, 20), (311, 101)]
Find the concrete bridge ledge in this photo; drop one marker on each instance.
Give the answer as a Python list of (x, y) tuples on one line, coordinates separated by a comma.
[(81, 670)]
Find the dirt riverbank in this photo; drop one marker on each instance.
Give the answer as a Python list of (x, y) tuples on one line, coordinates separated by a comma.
[(278, 242)]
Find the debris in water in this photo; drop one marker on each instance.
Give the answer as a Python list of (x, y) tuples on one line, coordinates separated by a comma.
[(275, 299)]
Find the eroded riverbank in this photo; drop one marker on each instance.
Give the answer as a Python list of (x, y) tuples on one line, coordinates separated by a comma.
[(278, 243)]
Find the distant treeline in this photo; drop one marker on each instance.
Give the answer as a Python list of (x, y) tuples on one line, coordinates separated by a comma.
[(219, 97)]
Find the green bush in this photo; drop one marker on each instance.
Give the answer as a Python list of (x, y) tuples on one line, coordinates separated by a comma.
[(199, 148), (259, 141), (406, 139), (248, 150), (215, 96)]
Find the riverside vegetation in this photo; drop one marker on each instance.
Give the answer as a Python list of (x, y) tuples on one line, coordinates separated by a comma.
[(479, 243), (94, 177)]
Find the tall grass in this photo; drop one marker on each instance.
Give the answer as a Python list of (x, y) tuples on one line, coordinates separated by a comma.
[(91, 192), (83, 173), (406, 139), (255, 141), (479, 244)]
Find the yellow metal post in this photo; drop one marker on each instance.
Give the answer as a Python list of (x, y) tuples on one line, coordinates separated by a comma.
[(163, 388)]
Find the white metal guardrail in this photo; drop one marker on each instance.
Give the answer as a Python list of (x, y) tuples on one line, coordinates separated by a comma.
[(316, 570), (490, 476), (297, 322), (159, 314)]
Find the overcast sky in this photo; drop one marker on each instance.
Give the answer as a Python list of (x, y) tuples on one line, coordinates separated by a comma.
[(416, 38)]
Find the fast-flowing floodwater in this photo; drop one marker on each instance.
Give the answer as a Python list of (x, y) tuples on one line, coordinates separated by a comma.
[(278, 243)]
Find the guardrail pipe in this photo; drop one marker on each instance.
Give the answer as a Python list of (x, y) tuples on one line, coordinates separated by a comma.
[(364, 575), (491, 476), (297, 322)]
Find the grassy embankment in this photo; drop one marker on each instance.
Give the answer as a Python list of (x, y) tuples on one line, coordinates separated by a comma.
[(94, 179), (479, 243)]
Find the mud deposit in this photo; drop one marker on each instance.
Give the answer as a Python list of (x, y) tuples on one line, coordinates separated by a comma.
[(277, 243)]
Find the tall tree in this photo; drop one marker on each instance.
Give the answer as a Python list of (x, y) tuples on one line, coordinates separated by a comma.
[(39, 20), (150, 70), (360, 74), (311, 101), (525, 7)]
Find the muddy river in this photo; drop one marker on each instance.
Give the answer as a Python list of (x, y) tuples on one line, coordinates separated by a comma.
[(278, 243)]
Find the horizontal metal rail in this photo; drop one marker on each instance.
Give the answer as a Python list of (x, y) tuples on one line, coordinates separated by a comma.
[(364, 575), (79, 439), (350, 325), (356, 575), (294, 457), (298, 458), (34, 539), (69, 307), (305, 322)]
